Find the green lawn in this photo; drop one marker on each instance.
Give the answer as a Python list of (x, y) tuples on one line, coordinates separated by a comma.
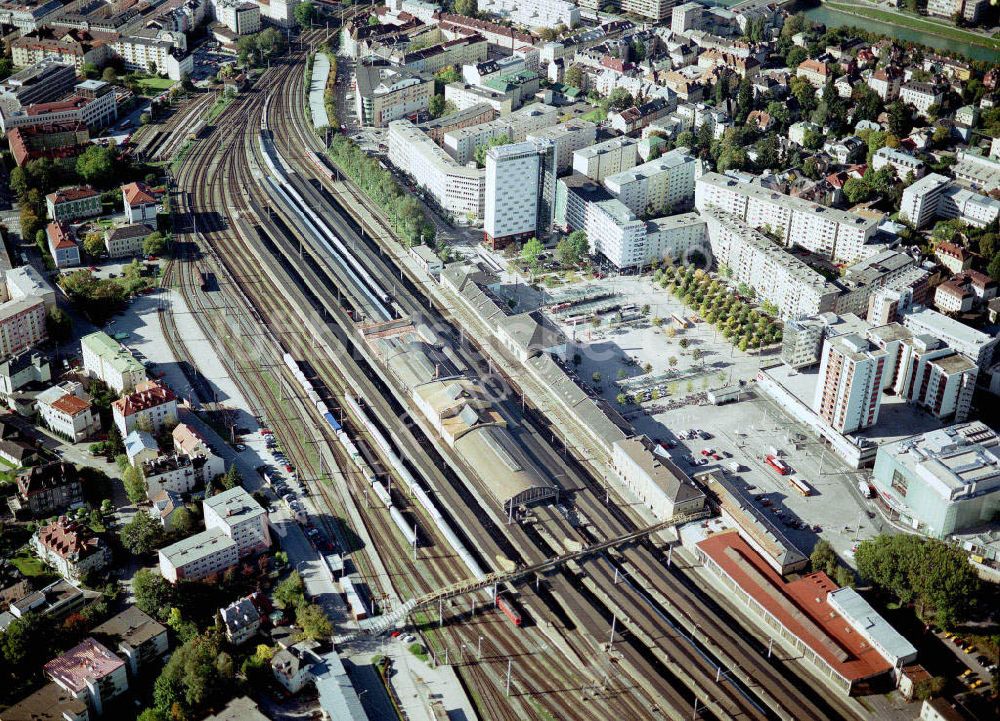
[(155, 86), (595, 116), (917, 23), (29, 565)]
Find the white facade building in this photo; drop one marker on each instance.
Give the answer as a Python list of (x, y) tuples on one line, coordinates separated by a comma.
[(239, 516), (663, 185), (902, 163), (974, 344), (835, 234), (534, 13), (512, 191), (607, 158), (107, 360), (461, 143), (849, 395), (566, 138)]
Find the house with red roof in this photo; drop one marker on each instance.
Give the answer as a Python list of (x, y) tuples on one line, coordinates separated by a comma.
[(140, 203), (65, 252), (68, 204), (71, 548), (150, 406)]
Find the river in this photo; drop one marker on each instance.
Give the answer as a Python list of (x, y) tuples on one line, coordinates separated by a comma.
[(834, 18)]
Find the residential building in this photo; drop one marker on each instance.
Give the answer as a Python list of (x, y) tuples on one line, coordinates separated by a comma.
[(159, 54), (634, 119), (534, 13), (462, 50), (978, 172), (73, 203), (457, 188), (140, 447), (64, 250), (655, 10), (52, 602), (71, 548), (513, 186), (65, 410), (126, 240), (383, 94), (140, 203), (179, 473), (135, 636), (48, 140), (618, 235), (241, 620), (654, 480), (20, 369), (953, 297), (903, 164), (970, 10), (51, 488), (199, 556), (240, 517), (953, 257), (190, 442), (22, 325), (240, 16), (815, 71), (241, 708), (292, 666), (974, 344), (461, 144), (661, 186), (943, 481), (834, 234), (607, 158), (151, 405), (802, 338), (778, 277), (15, 449), (566, 139), (848, 396), (166, 506), (74, 48), (107, 360), (90, 672), (886, 83), (49, 703), (921, 96)]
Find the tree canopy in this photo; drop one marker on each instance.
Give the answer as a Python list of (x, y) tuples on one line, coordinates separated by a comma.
[(96, 164), (142, 534), (931, 574)]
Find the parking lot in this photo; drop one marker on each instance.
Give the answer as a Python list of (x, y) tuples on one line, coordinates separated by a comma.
[(207, 61)]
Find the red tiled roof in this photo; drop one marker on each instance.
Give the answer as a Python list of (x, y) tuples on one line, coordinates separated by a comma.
[(69, 539), (800, 606), (138, 194), (70, 404), (69, 194), (59, 236), (814, 66), (148, 394)]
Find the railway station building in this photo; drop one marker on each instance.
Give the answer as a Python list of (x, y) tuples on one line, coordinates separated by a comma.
[(806, 614)]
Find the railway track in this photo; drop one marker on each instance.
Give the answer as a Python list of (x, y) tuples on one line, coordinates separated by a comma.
[(204, 179), (781, 682)]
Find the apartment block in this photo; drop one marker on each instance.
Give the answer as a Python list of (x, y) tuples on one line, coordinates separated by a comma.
[(834, 234), (566, 139), (456, 187), (47, 489), (199, 556), (607, 158), (903, 164), (126, 240), (461, 143), (140, 203), (534, 13), (664, 185), (972, 343), (656, 10), (848, 396), (384, 94), (241, 620), (240, 16), (921, 95), (978, 172), (65, 410), (64, 250), (107, 360), (179, 473), (136, 637), (240, 517), (777, 276)]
